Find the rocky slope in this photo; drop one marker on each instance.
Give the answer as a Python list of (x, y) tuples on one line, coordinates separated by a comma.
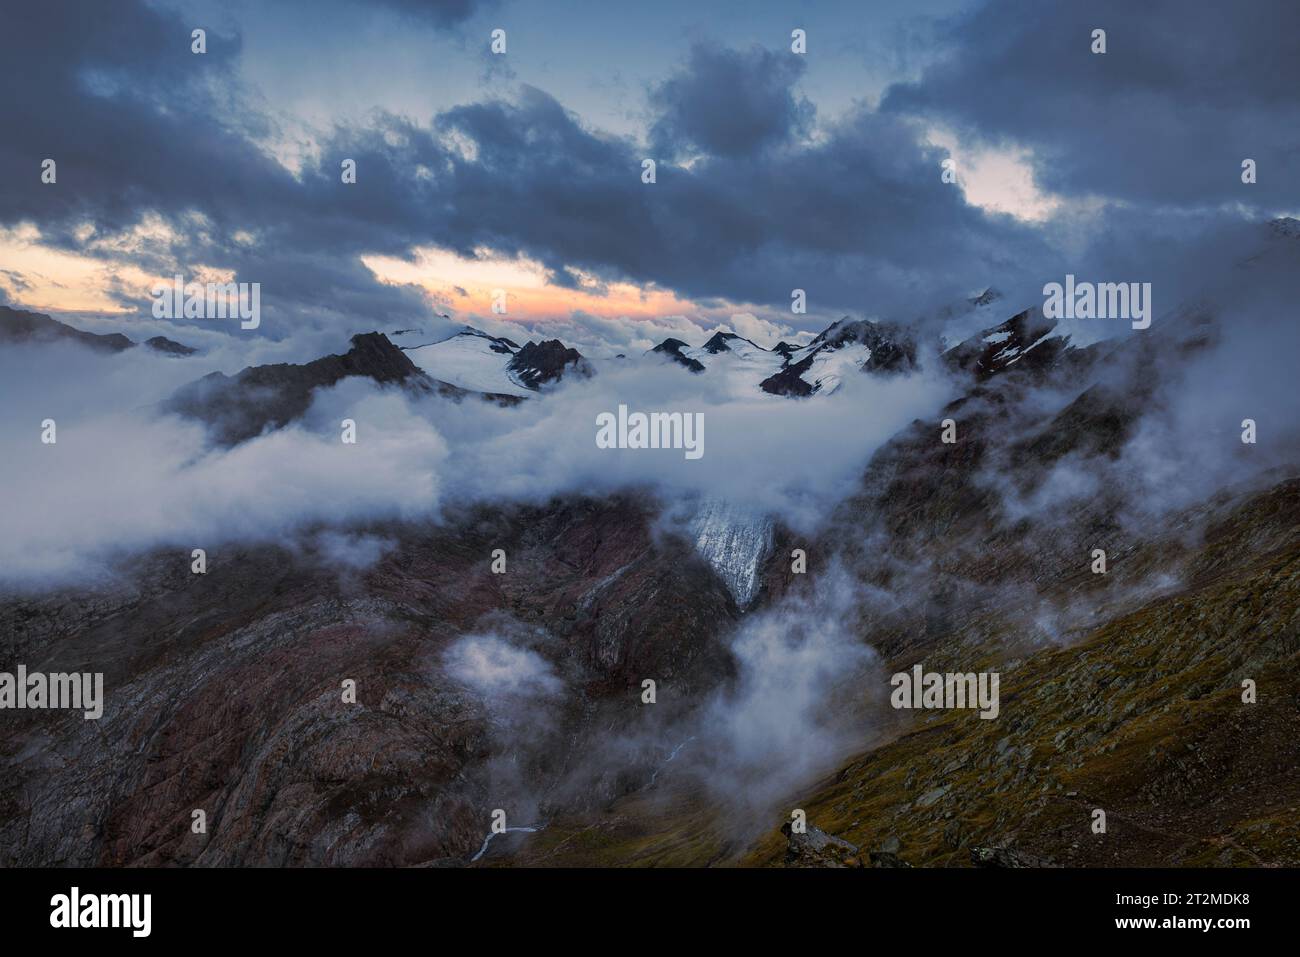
[(537, 364), (1143, 719), (477, 362), (1120, 691), (676, 351), (845, 347), (223, 693), (1139, 715), (240, 407)]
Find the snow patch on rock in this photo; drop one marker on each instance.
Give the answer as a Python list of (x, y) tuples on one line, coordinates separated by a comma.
[(734, 541)]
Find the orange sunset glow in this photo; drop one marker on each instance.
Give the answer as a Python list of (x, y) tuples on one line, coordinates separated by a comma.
[(468, 285)]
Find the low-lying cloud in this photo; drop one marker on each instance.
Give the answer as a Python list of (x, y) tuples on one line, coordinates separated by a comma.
[(122, 477)]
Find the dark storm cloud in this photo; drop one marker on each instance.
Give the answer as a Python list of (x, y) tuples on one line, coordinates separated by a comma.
[(1184, 93), (442, 13), (857, 216), (864, 209), (861, 210), (133, 118), (140, 124), (730, 103)]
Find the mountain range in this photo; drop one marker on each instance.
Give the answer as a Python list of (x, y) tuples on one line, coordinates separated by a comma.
[(1121, 690)]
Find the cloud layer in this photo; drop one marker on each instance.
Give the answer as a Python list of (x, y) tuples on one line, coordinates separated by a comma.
[(757, 194)]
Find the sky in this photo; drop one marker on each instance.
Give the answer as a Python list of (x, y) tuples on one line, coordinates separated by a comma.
[(522, 171)]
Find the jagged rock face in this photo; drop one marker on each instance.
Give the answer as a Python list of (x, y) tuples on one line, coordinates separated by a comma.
[(718, 342), (260, 397), (371, 355), (735, 363), (497, 367), (891, 355), (1287, 227), (672, 348), (815, 848), (886, 859), (169, 346), (943, 503), (474, 363), (19, 326), (1004, 857), (843, 347), (790, 380), (223, 692), (1025, 341), (536, 364), (943, 506), (818, 367)]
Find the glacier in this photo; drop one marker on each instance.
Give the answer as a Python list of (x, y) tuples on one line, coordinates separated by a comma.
[(735, 541)]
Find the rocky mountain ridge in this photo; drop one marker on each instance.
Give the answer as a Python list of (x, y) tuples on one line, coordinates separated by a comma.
[(21, 326)]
